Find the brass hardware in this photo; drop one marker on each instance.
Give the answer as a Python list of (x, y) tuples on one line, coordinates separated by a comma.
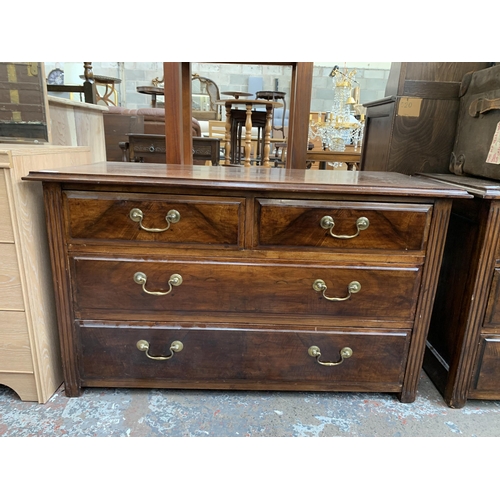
[(327, 222), (345, 353), (173, 217), (175, 346), (141, 278), (352, 287)]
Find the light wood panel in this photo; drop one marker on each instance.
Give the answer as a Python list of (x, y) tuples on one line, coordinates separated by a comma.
[(6, 233), (11, 296), (15, 349), (25, 265), (78, 124)]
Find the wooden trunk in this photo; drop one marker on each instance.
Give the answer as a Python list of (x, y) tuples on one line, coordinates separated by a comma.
[(412, 129)]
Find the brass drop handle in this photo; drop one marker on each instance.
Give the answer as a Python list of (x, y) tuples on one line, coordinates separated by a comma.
[(315, 352), (173, 217), (327, 222), (352, 287), (175, 346), (141, 279)]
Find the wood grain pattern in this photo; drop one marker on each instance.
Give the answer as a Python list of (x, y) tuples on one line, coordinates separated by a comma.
[(15, 347), (247, 287), (247, 312), (396, 227), (11, 296), (203, 220), (227, 355), (27, 257), (6, 231)]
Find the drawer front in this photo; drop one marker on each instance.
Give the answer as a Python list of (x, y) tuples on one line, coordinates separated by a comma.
[(11, 296), (248, 287), (492, 315), (15, 352), (6, 232), (215, 354), (201, 220), (367, 226), (486, 380)]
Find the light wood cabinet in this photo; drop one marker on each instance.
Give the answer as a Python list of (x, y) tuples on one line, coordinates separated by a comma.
[(30, 361)]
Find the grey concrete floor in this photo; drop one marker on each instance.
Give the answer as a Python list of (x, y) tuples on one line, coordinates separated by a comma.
[(157, 413)]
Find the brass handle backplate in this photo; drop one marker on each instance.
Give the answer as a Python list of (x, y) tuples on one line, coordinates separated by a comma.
[(141, 279), (175, 346), (172, 217), (315, 352), (327, 222), (352, 287)]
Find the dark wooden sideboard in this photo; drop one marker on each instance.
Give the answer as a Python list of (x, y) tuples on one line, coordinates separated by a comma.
[(463, 349), (151, 148), (243, 278)]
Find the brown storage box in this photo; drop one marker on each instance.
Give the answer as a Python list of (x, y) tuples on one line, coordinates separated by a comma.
[(477, 142)]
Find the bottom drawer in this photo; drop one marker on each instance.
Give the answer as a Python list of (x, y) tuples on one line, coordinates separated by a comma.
[(486, 380), (225, 357)]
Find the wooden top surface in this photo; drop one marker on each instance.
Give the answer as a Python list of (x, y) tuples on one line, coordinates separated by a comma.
[(482, 188), (260, 102), (252, 178)]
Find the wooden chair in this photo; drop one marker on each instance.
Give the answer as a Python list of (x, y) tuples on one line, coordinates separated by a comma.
[(216, 128)]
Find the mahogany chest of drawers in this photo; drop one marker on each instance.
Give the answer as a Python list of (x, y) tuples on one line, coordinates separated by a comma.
[(463, 349), (233, 278)]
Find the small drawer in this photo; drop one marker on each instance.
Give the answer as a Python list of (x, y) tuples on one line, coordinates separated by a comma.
[(381, 293), (150, 218), (486, 379), (342, 225), (227, 356), (11, 295), (15, 351), (6, 232)]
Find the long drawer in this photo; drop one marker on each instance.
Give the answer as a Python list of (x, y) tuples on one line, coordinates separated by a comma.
[(120, 354), (169, 287), (186, 220), (341, 225)]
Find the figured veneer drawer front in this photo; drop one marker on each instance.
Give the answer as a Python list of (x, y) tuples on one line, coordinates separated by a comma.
[(244, 287), (342, 225), (487, 366), (155, 218), (11, 296), (224, 353), (15, 351)]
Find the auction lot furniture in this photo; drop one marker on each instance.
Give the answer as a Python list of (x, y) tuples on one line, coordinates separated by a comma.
[(30, 361), (180, 276), (463, 351)]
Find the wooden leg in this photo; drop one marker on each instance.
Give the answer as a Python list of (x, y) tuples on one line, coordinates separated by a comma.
[(248, 135), (267, 136), (227, 137)]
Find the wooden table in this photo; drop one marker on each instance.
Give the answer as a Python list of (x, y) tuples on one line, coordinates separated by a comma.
[(350, 156), (110, 95), (231, 130), (237, 95), (152, 91)]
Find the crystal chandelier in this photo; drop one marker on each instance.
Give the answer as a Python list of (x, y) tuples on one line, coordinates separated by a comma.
[(340, 127)]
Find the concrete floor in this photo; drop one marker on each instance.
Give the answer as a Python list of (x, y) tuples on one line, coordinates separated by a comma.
[(150, 413)]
